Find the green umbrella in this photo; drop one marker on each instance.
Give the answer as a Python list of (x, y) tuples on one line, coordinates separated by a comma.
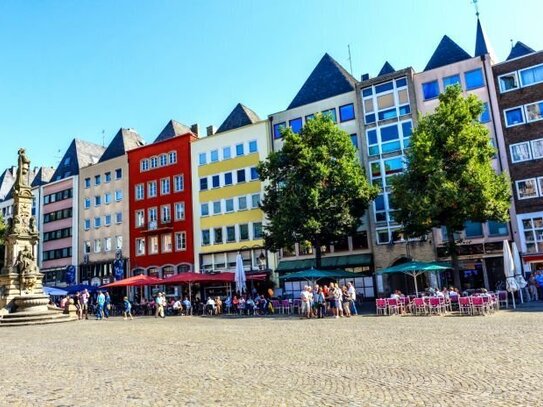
[(314, 274), (415, 269)]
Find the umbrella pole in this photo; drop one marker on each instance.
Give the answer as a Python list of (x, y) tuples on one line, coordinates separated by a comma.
[(416, 286), (521, 297), (513, 296)]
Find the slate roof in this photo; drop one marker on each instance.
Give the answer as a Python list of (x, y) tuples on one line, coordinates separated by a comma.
[(172, 129), (78, 155), (124, 141), (386, 69), (328, 79), (520, 49), (447, 52), (43, 176), (239, 117), (7, 179)]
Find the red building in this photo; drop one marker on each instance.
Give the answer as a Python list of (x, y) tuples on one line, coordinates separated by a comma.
[(161, 221)]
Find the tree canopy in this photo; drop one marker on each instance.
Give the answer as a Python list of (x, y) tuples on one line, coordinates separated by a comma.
[(316, 189), (449, 177)]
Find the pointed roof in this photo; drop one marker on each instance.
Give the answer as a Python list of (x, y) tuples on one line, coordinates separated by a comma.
[(7, 179), (78, 155), (447, 52), (172, 129), (42, 176), (328, 79), (386, 69), (239, 117), (482, 45), (124, 141), (520, 49)]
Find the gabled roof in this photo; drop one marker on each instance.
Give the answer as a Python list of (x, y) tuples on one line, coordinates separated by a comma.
[(7, 179), (78, 155), (172, 129), (43, 176), (520, 49), (239, 117), (328, 79), (447, 52), (124, 141), (386, 69)]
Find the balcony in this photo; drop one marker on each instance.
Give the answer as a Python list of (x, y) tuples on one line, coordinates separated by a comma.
[(157, 226)]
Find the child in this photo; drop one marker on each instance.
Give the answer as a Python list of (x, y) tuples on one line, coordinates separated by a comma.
[(127, 308)]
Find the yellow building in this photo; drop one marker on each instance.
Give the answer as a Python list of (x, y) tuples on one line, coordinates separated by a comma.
[(227, 194)]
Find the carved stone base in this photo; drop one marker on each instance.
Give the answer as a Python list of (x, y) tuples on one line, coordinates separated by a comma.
[(33, 303)]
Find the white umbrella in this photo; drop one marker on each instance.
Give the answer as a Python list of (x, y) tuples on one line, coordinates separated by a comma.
[(521, 282), (239, 276), (509, 271)]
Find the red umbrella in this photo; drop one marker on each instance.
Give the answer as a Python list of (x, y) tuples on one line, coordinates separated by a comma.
[(191, 278), (135, 281)]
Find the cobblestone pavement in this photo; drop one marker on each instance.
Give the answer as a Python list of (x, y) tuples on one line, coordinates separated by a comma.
[(194, 361)]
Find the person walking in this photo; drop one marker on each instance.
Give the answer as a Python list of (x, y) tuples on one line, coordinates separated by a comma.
[(158, 305), (84, 303), (127, 308), (320, 303), (100, 301), (352, 295), (107, 304)]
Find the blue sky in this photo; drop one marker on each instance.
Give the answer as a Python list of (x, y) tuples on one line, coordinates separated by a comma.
[(86, 68)]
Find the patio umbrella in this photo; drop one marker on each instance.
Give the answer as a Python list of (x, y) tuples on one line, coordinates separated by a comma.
[(136, 281), (240, 274), (415, 269), (314, 274), (54, 291), (521, 282), (509, 271), (72, 289)]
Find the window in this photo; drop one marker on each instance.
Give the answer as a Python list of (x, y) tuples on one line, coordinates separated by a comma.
[(118, 195), (107, 220), (384, 87), (244, 232), (166, 243), (118, 242), (107, 198), (242, 203), (430, 90), (473, 229), (485, 116), (118, 173), (514, 117), (239, 150), (165, 214), (178, 183), (180, 241), (97, 222), (255, 200), (107, 177), (346, 113), (202, 158), (227, 178), (296, 125), (277, 130), (253, 146), (373, 147), (140, 218), (87, 247), (87, 203), (87, 183), (144, 165), (451, 80), (205, 237), (533, 233), (215, 181), (531, 76), (534, 111), (257, 230), (214, 156), (154, 162), (164, 186), (309, 117), (163, 160), (97, 200), (97, 246), (240, 175), (229, 205), (97, 180), (140, 246), (87, 224), (354, 140), (474, 79), (497, 228), (118, 217), (180, 211), (153, 245), (527, 188), (508, 82), (152, 216), (216, 207), (107, 244), (151, 189), (331, 114), (204, 209), (520, 152), (217, 233), (140, 192), (254, 174), (226, 153), (537, 148), (172, 155), (203, 184), (230, 234)]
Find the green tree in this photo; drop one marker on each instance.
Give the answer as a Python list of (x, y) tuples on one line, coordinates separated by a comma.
[(449, 178), (315, 190)]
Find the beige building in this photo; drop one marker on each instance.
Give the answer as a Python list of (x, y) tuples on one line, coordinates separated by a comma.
[(104, 213)]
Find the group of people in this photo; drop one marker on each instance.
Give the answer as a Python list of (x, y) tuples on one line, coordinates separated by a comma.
[(319, 301)]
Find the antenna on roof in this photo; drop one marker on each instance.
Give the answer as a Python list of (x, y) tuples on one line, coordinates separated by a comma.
[(511, 43), (103, 138), (350, 59), (474, 2)]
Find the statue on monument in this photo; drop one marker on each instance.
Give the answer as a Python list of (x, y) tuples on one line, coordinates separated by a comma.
[(22, 169), (25, 261)]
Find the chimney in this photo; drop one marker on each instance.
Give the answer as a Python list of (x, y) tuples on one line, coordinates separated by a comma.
[(365, 77), (195, 129), (210, 130)]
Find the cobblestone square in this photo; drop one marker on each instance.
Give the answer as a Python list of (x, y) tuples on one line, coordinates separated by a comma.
[(195, 361)]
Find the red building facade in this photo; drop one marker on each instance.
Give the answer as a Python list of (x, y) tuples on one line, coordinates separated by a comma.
[(161, 236)]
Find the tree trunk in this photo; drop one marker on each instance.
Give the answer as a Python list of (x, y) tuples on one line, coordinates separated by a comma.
[(318, 254), (454, 258)]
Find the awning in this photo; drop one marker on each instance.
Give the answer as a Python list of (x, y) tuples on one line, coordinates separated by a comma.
[(532, 257), (204, 278), (313, 274), (327, 262)]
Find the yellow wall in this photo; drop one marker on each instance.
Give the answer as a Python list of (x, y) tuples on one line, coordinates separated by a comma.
[(214, 248), (249, 160)]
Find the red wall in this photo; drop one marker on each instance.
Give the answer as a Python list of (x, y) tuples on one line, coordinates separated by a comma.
[(180, 144)]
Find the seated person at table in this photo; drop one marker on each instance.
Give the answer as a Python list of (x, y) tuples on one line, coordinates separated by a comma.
[(439, 294), (177, 307), (187, 306), (210, 305), (241, 304), (263, 305), (395, 295), (250, 306)]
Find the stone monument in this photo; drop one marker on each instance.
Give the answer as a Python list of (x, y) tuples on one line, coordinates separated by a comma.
[(22, 300)]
